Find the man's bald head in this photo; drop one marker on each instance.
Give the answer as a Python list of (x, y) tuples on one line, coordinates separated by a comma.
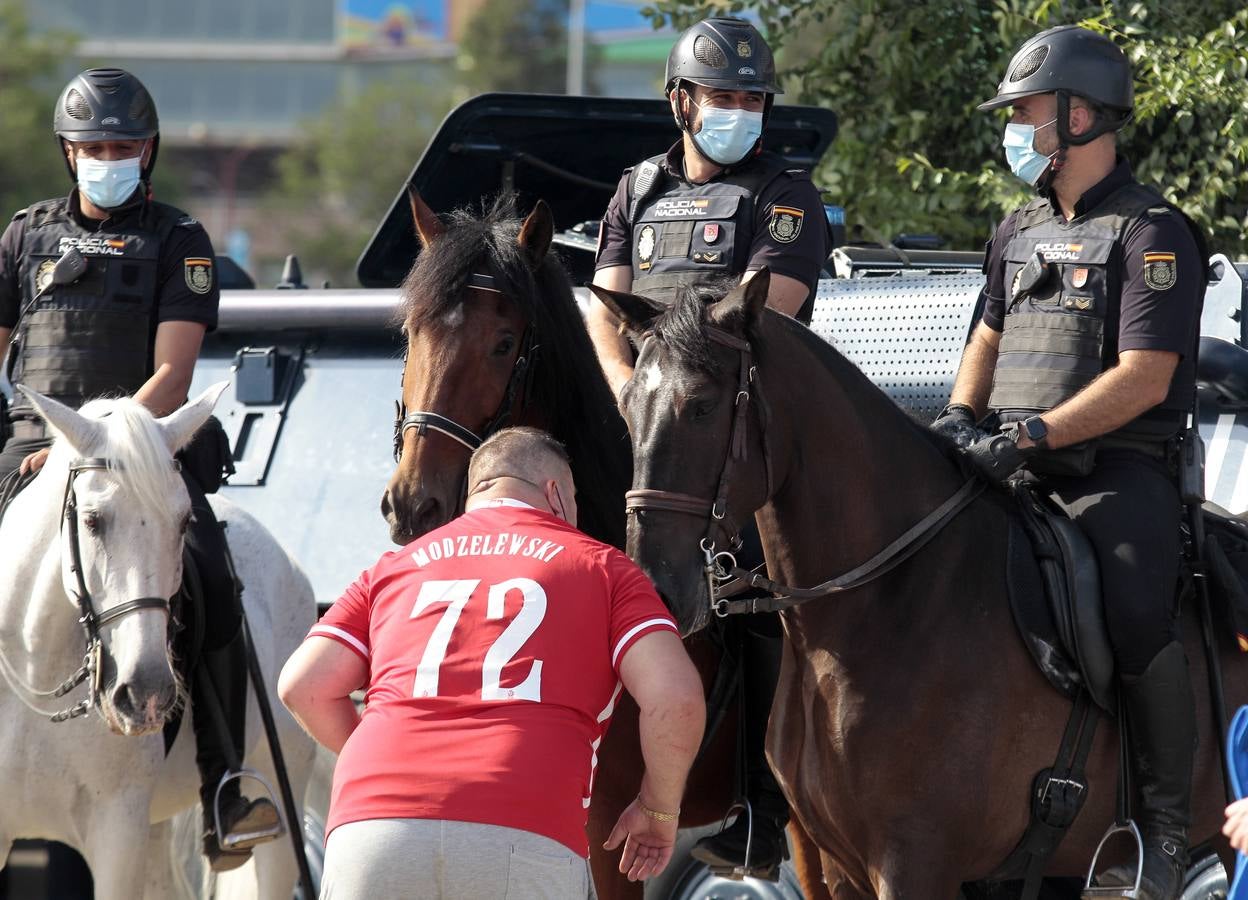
[(531, 457)]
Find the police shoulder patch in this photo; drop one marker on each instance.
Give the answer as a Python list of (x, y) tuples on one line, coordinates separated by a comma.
[(1160, 270), (785, 223), (198, 270)]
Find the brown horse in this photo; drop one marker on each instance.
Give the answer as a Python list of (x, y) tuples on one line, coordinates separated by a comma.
[(494, 338), (909, 719)]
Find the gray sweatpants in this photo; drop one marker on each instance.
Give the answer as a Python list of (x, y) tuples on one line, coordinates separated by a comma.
[(435, 859)]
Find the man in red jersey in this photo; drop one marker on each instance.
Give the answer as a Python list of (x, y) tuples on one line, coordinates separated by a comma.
[(492, 652)]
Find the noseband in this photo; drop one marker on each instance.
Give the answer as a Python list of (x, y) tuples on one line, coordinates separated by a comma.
[(89, 619), (520, 378), (720, 567)]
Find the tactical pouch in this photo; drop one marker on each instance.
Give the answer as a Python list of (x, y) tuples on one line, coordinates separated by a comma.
[(1076, 460), (207, 458)]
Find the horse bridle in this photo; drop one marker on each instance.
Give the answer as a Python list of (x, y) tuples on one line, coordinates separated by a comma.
[(424, 421), (720, 566), (90, 620)]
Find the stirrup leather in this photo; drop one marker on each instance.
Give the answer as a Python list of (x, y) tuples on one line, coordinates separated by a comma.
[(745, 869), (249, 838), (1132, 893)]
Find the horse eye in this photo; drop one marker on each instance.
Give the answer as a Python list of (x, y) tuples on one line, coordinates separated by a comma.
[(505, 346), (703, 408), (91, 521)]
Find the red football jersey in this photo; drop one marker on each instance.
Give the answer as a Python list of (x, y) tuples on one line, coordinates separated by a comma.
[(493, 646)]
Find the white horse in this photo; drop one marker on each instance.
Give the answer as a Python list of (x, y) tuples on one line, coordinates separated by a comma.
[(101, 782)]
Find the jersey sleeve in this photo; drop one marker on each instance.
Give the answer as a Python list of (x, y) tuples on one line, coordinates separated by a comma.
[(615, 242), (188, 277), (636, 609), (791, 235), (347, 620), (10, 283), (992, 297), (1161, 286)]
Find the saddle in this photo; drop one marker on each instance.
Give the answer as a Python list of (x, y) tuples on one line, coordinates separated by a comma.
[(1055, 597)]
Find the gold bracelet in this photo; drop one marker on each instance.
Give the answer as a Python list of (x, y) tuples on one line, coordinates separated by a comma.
[(655, 814)]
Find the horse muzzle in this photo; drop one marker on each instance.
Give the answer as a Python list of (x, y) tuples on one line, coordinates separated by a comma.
[(136, 707)]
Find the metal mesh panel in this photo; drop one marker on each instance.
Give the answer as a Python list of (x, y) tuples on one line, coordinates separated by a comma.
[(1028, 65), (905, 332), (76, 106), (707, 52)]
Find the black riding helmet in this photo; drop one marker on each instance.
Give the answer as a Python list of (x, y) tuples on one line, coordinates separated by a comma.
[(106, 105), (725, 53), (1071, 61)]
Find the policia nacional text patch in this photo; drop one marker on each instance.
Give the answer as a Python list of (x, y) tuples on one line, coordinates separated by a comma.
[(1160, 270), (785, 224), (198, 273)]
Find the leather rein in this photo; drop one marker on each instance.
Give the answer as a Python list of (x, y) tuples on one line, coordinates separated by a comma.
[(723, 575), (519, 380), (91, 621)]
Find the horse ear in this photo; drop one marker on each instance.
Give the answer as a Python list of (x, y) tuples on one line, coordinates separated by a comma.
[(180, 425), (743, 306), (428, 226), (76, 429), (536, 233), (634, 310)]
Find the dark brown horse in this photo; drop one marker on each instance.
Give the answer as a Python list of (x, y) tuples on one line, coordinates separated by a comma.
[(485, 294), (909, 719)]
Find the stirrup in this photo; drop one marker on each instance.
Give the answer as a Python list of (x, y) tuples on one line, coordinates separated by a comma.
[(741, 872), (1133, 893), (230, 841)]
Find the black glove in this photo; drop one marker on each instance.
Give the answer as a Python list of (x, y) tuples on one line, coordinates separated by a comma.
[(957, 422), (998, 456)]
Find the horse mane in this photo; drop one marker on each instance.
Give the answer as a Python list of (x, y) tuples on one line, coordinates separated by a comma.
[(681, 329), (566, 381), (134, 442)]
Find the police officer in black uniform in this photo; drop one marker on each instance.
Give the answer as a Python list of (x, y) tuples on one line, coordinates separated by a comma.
[(1085, 363), (716, 206), (131, 324)]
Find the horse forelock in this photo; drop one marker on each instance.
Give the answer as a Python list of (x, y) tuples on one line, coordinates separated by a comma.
[(134, 442), (682, 327)]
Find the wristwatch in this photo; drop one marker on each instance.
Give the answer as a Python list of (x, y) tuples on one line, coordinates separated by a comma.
[(1037, 431)]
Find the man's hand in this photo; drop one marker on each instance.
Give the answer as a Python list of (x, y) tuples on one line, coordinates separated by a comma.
[(998, 456), (1236, 826), (647, 842), (34, 462), (957, 422)]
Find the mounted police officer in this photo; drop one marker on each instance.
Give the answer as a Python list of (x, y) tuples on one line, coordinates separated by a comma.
[(717, 205), (1085, 361), (132, 323)]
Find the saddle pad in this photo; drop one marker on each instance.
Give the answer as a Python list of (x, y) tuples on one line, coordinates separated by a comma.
[(1033, 614), (1237, 762)]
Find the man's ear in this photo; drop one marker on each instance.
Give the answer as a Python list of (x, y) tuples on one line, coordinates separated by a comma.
[(743, 306), (634, 310)]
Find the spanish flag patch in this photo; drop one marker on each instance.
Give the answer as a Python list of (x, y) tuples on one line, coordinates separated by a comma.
[(1160, 270)]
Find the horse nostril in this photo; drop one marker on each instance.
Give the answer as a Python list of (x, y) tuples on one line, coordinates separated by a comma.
[(386, 506), (124, 700)]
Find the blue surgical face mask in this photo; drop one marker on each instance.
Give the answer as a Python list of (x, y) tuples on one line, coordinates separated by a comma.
[(727, 135), (108, 183), (1024, 159)]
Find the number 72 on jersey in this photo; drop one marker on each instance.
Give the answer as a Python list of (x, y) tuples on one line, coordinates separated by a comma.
[(456, 594)]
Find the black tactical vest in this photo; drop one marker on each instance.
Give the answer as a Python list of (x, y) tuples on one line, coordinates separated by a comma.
[(1055, 339), (690, 234), (92, 337)]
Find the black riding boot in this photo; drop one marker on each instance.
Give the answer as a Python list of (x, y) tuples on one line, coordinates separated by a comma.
[(221, 683), (1161, 718), (768, 847)]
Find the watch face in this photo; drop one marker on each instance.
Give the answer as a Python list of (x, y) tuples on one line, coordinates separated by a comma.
[(1035, 429)]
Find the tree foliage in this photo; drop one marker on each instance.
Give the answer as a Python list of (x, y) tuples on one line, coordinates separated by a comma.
[(913, 154), (30, 166), (345, 170), (515, 45)]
